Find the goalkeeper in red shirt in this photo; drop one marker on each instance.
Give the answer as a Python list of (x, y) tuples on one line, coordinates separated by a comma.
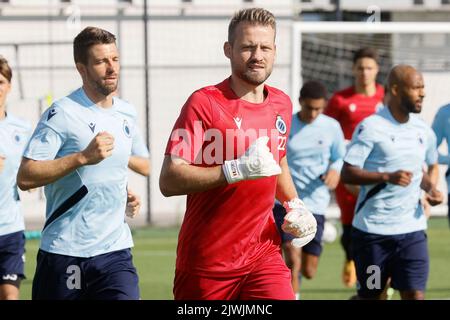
[(227, 152)]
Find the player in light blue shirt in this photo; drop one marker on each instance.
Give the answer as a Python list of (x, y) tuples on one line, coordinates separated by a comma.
[(441, 127), (386, 157), (80, 151), (14, 134), (315, 152)]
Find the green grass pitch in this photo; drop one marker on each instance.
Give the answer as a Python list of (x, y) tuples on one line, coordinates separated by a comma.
[(154, 257)]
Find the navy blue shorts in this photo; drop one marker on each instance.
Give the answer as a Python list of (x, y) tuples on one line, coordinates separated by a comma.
[(12, 258), (109, 276), (314, 247), (403, 258)]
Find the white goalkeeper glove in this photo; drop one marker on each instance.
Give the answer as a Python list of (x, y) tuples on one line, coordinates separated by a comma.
[(299, 222), (256, 162)]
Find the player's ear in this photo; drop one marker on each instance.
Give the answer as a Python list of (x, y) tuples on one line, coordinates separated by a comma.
[(301, 103), (227, 49), (394, 90), (81, 68)]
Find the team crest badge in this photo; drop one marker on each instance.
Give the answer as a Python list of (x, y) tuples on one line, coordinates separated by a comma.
[(126, 128), (280, 125)]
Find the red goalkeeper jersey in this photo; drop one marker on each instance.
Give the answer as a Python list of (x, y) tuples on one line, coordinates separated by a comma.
[(350, 108), (226, 229)]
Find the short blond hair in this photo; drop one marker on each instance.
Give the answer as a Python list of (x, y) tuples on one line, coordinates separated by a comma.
[(256, 16)]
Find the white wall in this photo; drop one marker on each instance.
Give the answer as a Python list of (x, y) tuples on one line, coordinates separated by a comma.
[(184, 55)]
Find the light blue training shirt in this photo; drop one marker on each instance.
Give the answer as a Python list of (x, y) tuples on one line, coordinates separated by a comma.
[(382, 144), (441, 127), (85, 213), (312, 150), (14, 135)]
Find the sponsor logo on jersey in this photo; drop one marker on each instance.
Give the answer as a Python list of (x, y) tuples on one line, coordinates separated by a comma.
[(126, 128), (51, 113), (238, 122), (280, 125), (92, 126)]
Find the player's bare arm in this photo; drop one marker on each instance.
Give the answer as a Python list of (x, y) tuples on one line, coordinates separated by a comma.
[(352, 188), (298, 221), (285, 186), (429, 181), (331, 179), (139, 165), (133, 204), (178, 177), (34, 174), (355, 175)]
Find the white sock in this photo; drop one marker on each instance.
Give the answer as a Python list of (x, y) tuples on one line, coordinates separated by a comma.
[(297, 296)]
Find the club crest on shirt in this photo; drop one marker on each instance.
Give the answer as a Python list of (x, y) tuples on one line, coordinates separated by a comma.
[(280, 125), (352, 107), (126, 128), (51, 113)]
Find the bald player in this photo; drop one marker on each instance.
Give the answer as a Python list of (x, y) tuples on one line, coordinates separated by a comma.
[(349, 107), (385, 157)]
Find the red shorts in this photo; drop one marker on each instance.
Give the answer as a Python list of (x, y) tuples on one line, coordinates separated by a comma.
[(346, 202), (270, 279)]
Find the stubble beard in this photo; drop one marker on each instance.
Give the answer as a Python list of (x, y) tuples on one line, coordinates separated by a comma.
[(410, 106), (104, 89), (255, 79)]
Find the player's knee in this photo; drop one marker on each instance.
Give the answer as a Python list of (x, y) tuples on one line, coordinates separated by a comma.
[(8, 295), (412, 295), (309, 272)]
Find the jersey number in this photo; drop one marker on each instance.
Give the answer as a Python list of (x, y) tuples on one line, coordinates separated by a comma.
[(282, 143)]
